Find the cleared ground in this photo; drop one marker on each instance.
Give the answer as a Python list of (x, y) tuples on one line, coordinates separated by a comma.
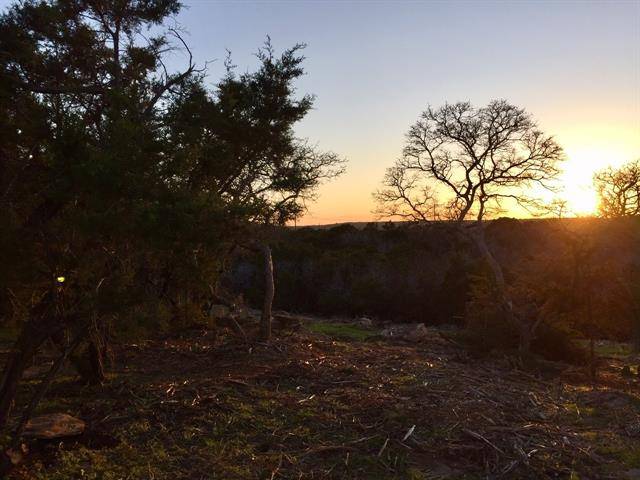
[(335, 401)]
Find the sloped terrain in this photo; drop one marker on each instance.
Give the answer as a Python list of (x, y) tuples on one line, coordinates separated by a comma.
[(338, 405), (405, 272)]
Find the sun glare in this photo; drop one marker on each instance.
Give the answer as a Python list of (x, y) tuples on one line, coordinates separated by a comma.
[(582, 200), (578, 170)]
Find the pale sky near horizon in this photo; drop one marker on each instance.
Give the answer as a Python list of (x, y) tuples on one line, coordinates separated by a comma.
[(374, 66)]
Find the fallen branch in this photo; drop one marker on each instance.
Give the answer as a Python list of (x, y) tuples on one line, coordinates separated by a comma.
[(326, 448), (480, 437)]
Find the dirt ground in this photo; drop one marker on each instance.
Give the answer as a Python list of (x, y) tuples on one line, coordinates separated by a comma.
[(342, 406)]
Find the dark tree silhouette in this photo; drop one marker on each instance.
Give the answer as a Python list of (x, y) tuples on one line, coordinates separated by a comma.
[(80, 97), (461, 163), (128, 180), (619, 190)]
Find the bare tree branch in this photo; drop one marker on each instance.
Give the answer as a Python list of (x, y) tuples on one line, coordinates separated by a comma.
[(474, 158), (619, 190)]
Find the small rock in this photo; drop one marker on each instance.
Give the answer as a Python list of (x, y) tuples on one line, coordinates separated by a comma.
[(632, 429), (53, 425), (364, 322), (391, 332), (633, 474), (412, 333), (418, 333)]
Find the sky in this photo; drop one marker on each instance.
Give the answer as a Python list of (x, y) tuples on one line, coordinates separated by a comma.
[(375, 65)]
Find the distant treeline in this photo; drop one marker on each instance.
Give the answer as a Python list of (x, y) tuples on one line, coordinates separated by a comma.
[(425, 273)]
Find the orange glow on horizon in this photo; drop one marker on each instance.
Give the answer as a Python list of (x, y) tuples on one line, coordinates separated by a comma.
[(589, 148)]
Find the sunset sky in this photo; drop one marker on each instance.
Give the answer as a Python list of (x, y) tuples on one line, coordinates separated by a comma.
[(375, 66)]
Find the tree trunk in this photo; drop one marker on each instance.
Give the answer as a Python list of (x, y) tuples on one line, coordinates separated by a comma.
[(592, 330), (526, 337), (23, 351), (496, 270), (502, 297), (95, 374), (269, 291), (88, 362)]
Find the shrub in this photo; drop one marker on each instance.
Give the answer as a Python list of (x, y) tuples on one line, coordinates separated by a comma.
[(488, 330), (558, 342)]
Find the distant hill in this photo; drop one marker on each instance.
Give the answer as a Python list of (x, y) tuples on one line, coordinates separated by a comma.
[(382, 223), (406, 272)]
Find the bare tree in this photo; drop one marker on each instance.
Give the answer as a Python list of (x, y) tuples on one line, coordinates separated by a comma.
[(463, 163), (311, 168), (619, 190)]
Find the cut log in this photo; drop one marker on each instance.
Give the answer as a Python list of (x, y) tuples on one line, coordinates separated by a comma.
[(53, 425)]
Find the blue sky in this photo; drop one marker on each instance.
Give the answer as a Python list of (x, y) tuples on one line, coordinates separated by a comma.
[(374, 67)]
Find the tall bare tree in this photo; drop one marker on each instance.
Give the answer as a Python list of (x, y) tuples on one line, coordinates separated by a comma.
[(462, 163), (619, 190)]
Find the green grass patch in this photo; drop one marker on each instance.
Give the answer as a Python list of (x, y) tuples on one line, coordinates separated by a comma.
[(342, 331), (610, 349)]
